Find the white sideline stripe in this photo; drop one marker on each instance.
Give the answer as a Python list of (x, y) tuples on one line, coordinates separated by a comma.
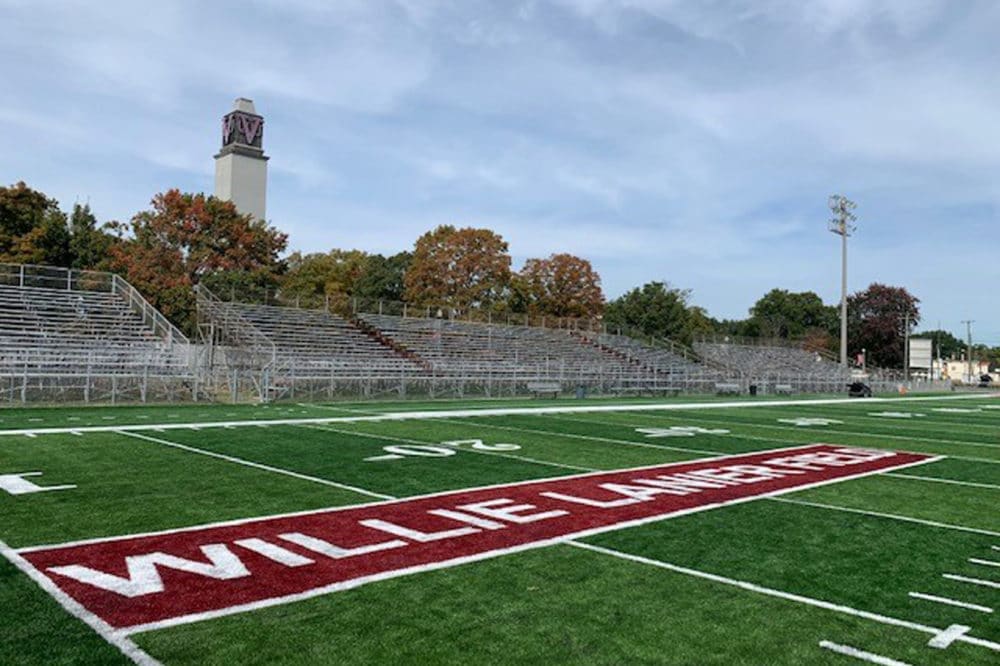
[(938, 480), (891, 516), (951, 602), (494, 486), (870, 657), (499, 411), (336, 587), (73, 607), (788, 596), (987, 563), (422, 442), (250, 463), (975, 581)]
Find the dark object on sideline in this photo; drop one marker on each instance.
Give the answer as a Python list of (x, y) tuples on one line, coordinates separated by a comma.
[(859, 390)]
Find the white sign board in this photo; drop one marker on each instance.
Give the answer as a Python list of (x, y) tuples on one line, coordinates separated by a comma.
[(920, 353)]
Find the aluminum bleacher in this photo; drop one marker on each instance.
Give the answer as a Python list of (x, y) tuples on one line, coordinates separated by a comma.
[(776, 364), (84, 335)]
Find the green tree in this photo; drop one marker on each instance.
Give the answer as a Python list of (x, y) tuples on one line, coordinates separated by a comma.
[(89, 245), (314, 280), (383, 278), (32, 228), (185, 239), (784, 314), (655, 309), (876, 323)]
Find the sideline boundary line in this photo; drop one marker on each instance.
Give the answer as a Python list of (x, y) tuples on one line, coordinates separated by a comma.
[(465, 413), (788, 596), (73, 607)]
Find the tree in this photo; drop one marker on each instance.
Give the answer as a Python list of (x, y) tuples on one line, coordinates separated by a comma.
[(783, 314), (876, 323), (382, 279), (32, 228), (188, 239), (89, 245), (655, 309), (315, 280), (458, 269), (562, 286)]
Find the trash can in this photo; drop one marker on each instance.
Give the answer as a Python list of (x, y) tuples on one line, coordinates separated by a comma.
[(581, 392), (753, 389)]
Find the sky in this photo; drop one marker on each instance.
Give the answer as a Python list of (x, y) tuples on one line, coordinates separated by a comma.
[(694, 142)]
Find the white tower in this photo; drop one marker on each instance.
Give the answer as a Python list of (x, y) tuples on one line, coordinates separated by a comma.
[(241, 166)]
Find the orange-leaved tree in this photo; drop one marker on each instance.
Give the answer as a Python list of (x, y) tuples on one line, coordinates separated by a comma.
[(458, 269), (563, 285), (187, 239)]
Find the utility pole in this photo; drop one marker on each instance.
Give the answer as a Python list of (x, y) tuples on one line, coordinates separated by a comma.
[(842, 224), (968, 339)]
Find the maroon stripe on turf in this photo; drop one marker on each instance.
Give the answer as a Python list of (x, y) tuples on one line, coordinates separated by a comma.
[(142, 580)]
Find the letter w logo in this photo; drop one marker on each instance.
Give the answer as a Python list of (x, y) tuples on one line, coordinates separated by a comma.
[(144, 578)]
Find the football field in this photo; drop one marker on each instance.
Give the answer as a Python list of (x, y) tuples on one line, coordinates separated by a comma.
[(673, 531)]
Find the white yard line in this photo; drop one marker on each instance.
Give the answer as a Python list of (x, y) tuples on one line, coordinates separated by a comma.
[(974, 581), (985, 563), (934, 479), (891, 516), (500, 411), (73, 607), (951, 602), (422, 442), (870, 657), (788, 596), (255, 465)]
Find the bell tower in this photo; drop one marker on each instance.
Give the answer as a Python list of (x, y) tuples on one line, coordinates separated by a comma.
[(241, 166)]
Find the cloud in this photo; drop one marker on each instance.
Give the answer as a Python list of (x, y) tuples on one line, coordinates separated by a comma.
[(691, 142)]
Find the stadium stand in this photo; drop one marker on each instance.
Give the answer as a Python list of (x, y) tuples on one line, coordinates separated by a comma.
[(84, 335), (782, 367)]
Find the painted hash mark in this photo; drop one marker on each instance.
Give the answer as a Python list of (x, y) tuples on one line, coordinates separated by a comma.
[(143, 582)]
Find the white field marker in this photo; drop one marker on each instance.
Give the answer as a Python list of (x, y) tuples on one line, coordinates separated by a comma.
[(896, 415), (870, 657), (975, 581), (948, 636), (806, 422), (788, 596), (985, 563), (951, 602)]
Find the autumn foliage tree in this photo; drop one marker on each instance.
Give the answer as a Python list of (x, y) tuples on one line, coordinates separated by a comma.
[(876, 323), (562, 285), (190, 239), (458, 269), (32, 228)]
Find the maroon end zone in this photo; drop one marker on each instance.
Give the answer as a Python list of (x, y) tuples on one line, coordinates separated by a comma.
[(185, 575)]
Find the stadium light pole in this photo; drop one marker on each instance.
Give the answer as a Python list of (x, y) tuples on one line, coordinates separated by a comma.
[(842, 224)]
